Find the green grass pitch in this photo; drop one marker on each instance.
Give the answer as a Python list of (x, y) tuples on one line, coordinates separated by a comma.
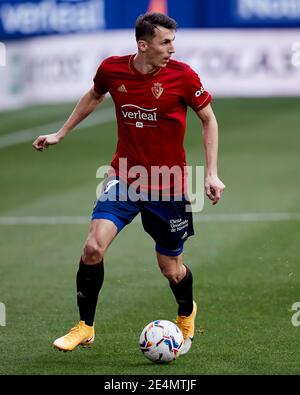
[(246, 273)]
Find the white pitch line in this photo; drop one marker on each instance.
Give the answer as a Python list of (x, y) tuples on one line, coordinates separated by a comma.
[(247, 217), (25, 135), (73, 220), (36, 220)]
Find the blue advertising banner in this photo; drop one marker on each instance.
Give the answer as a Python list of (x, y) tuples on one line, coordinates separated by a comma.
[(123, 13), (251, 13), (266, 13), (45, 17), (28, 18)]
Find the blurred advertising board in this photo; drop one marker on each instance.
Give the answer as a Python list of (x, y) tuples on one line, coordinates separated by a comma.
[(231, 63)]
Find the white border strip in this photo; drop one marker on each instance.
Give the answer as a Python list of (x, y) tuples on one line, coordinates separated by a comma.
[(73, 220)]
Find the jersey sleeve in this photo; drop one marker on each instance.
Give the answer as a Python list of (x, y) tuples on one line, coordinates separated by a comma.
[(195, 95), (100, 80)]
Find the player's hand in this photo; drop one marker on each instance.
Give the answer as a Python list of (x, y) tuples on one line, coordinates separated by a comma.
[(214, 188), (43, 142)]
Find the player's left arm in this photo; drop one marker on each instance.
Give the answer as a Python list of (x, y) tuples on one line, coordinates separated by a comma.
[(214, 187)]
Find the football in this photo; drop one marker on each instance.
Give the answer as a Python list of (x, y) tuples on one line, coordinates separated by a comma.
[(161, 341)]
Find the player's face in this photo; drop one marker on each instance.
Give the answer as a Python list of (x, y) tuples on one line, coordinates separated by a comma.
[(160, 48)]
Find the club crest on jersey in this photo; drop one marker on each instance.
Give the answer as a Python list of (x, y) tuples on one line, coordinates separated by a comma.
[(157, 90)]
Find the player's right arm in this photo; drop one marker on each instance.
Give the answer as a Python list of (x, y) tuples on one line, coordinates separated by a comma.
[(86, 105)]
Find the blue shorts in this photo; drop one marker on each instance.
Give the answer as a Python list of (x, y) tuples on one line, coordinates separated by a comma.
[(167, 222)]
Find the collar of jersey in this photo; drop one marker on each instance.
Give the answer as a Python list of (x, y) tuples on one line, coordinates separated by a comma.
[(137, 73)]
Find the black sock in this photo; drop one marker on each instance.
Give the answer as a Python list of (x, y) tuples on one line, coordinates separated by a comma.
[(89, 281), (183, 292)]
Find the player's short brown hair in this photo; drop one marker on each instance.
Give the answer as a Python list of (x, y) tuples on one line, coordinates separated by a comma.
[(146, 24)]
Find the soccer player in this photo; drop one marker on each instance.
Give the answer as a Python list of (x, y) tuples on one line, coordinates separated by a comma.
[(151, 93)]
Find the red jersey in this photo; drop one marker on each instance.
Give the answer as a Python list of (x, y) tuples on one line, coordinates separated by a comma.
[(151, 112)]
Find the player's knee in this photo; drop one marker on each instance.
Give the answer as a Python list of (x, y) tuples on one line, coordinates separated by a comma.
[(172, 273), (172, 267), (93, 253), (174, 278)]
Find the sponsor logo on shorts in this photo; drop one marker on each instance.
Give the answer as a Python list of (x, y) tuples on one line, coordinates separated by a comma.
[(184, 235), (178, 224)]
